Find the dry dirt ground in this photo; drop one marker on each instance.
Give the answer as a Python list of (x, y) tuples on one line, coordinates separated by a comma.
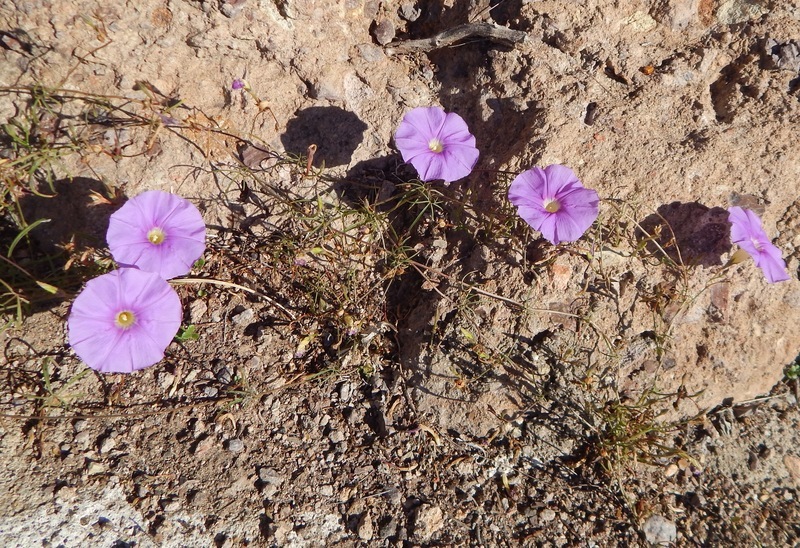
[(383, 362)]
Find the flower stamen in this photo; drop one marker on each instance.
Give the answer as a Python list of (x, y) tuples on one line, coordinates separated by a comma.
[(551, 205), (435, 145), (156, 236), (125, 319)]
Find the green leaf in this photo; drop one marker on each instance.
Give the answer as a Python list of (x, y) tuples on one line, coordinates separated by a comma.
[(24, 232), (47, 287), (467, 334), (187, 333)]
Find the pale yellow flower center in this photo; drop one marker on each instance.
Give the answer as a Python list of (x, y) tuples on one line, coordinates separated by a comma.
[(156, 236), (756, 244), (125, 319), (435, 145), (551, 206)]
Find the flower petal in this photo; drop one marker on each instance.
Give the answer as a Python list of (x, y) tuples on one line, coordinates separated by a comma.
[(566, 230), (423, 121), (429, 166), (133, 351), (101, 343), (527, 189), (454, 129), (556, 178), (745, 225), (181, 222), (578, 206), (414, 134), (748, 233), (774, 268), (410, 148)]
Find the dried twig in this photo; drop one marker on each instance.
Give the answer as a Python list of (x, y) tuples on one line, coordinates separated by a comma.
[(222, 283), (488, 31)]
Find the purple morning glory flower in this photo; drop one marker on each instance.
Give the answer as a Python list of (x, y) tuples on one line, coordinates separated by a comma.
[(158, 232), (747, 232), (238, 84), (124, 320), (438, 144), (554, 202)]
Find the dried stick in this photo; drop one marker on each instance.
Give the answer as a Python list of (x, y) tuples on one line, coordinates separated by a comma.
[(488, 31)]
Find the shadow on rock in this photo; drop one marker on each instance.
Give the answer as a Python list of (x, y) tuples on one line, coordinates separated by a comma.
[(74, 215), (373, 181), (335, 131), (689, 233)]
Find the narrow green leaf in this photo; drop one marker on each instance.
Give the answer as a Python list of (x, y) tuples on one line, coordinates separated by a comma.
[(47, 287), (24, 232)]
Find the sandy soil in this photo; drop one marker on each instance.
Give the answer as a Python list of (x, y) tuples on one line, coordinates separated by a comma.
[(489, 390)]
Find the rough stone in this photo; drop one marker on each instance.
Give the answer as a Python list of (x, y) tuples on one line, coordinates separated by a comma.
[(659, 530), (730, 12), (429, 521), (365, 527), (234, 445), (547, 515), (270, 476), (197, 310), (336, 436), (232, 8), (244, 318), (676, 14), (384, 31)]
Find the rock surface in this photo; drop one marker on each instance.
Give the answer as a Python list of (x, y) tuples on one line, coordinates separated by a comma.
[(479, 387)]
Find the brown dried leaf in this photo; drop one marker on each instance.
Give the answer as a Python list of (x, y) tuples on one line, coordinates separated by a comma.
[(252, 156)]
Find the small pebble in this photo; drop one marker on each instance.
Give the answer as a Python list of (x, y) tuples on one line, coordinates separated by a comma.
[(269, 476), (388, 527), (671, 470), (166, 380), (235, 445), (197, 310), (66, 494), (83, 438), (223, 374), (430, 519), (170, 505), (547, 515), (203, 445), (108, 443), (697, 500), (383, 32), (232, 8), (95, 468), (409, 12), (198, 498), (365, 528), (345, 391), (371, 53), (198, 428), (659, 530), (269, 491), (336, 436), (244, 318)]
